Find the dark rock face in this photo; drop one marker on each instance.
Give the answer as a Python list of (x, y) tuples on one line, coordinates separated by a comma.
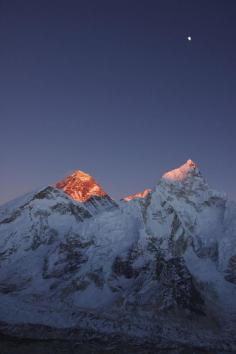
[(177, 287), (70, 257), (77, 211), (11, 218), (231, 270), (47, 193), (178, 284), (123, 267), (97, 203)]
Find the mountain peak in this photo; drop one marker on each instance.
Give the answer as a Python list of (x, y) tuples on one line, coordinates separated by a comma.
[(191, 163), (188, 169), (142, 194), (80, 186)]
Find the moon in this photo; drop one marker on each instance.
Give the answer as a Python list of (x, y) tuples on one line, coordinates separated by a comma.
[(189, 38)]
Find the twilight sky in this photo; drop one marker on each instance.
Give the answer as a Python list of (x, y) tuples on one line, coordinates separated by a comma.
[(115, 89)]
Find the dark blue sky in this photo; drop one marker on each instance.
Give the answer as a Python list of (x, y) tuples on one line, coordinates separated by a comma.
[(115, 89)]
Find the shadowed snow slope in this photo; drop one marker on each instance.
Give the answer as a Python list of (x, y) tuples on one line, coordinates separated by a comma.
[(161, 267)]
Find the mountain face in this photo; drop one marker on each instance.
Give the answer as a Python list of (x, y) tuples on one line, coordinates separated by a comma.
[(81, 186), (160, 266)]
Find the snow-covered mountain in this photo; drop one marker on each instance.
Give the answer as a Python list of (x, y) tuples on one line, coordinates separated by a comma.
[(159, 266)]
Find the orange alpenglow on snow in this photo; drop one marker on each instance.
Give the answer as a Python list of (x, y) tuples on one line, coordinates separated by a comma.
[(80, 186), (137, 195), (181, 173)]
